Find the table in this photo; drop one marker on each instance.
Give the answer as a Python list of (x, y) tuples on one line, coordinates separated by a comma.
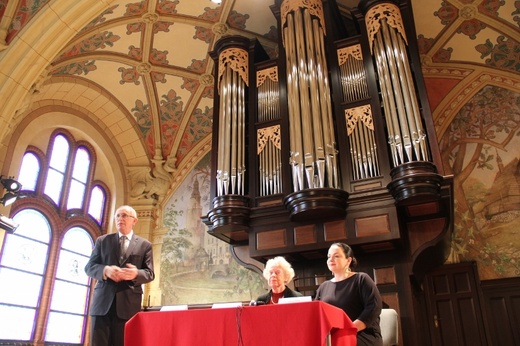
[(294, 324)]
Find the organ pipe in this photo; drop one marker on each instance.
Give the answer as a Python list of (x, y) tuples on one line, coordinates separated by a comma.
[(232, 82), (313, 153), (387, 38)]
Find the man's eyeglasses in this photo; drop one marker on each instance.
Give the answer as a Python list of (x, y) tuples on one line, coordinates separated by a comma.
[(124, 216)]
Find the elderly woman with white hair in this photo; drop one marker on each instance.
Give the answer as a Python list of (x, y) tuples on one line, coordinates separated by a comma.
[(278, 273)]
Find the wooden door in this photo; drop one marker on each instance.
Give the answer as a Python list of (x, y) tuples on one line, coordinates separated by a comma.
[(455, 314)]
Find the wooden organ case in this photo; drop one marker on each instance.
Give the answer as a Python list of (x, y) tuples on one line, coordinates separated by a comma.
[(332, 141)]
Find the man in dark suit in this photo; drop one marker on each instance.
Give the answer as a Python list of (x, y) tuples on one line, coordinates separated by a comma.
[(120, 267)]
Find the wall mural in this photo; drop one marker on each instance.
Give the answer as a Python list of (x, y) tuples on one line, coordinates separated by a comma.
[(197, 268), (481, 150)]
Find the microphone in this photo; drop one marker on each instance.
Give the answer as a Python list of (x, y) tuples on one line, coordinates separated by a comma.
[(256, 303)]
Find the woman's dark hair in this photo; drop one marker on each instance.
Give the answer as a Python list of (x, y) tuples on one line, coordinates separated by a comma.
[(347, 250)]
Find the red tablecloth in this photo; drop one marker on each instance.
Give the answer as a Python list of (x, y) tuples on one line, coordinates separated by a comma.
[(295, 324)]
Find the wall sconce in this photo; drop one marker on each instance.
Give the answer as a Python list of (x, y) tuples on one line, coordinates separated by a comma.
[(8, 224), (216, 1), (12, 187)]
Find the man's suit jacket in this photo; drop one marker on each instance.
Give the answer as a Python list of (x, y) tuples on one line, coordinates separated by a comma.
[(129, 293)]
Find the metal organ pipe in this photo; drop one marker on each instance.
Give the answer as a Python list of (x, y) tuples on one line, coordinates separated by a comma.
[(406, 136), (313, 145), (231, 132), (268, 138)]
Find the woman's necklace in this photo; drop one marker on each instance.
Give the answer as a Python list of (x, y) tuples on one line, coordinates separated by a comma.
[(276, 297)]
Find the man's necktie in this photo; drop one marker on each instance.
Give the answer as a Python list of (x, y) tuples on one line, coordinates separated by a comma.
[(123, 241)]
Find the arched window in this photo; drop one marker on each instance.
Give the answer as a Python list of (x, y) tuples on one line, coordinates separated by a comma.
[(59, 210), (71, 286), (96, 208), (23, 264), (57, 168), (79, 178), (29, 171)]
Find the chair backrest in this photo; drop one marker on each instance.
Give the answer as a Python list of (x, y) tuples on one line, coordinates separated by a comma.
[(389, 327)]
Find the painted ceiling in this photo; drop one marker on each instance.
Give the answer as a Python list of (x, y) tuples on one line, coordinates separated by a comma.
[(152, 57)]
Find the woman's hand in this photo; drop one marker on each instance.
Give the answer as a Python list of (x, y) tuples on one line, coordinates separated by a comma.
[(360, 325)]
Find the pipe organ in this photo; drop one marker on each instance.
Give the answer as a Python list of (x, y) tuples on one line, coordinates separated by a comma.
[(332, 140)]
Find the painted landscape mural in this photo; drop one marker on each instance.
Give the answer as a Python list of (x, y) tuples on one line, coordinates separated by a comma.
[(481, 148), (197, 268)]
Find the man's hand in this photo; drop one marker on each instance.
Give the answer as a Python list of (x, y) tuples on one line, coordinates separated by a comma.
[(113, 273), (121, 274), (129, 273)]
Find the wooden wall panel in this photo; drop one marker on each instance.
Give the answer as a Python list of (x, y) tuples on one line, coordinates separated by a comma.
[(372, 225), (335, 230), (304, 235), (502, 310), (271, 239), (385, 276)]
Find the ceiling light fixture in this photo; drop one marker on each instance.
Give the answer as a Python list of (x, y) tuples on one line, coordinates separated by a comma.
[(8, 224), (12, 187), (10, 184), (8, 199)]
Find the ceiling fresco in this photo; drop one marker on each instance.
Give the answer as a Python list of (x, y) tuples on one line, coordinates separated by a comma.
[(152, 57)]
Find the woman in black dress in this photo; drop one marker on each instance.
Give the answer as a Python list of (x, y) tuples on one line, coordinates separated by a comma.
[(353, 292)]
